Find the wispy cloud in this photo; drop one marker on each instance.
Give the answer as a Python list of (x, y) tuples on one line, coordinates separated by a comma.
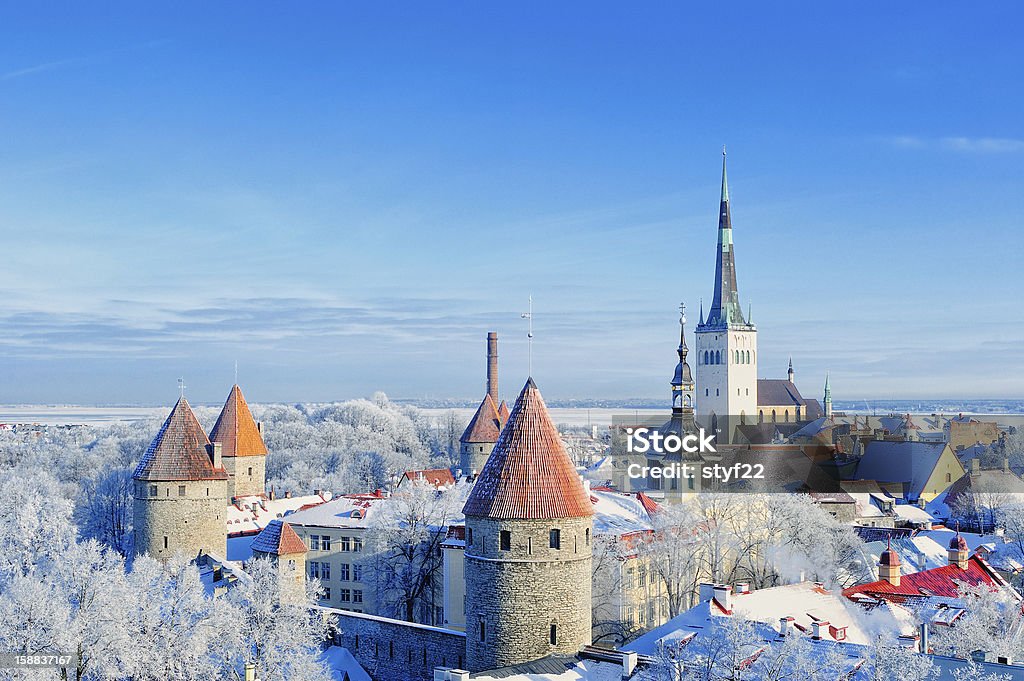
[(74, 61), (970, 145)]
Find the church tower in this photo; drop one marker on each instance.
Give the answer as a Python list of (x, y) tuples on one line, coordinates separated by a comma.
[(181, 491), (241, 440), (726, 341), (478, 440), (828, 399), (529, 526), (682, 382)]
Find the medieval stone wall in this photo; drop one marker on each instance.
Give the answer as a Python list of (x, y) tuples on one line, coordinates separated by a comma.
[(242, 483), (393, 650), (515, 595), (473, 456), (190, 521)]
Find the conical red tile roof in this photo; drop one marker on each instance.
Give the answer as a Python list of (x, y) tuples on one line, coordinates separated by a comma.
[(179, 451), (485, 425), (503, 413), (279, 539), (236, 429), (529, 474)]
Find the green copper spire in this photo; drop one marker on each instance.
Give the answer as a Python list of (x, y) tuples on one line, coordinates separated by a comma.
[(725, 179)]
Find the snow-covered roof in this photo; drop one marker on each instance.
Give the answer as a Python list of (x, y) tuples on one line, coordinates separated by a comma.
[(912, 514), (618, 514), (341, 663), (249, 515), (556, 669), (343, 512)]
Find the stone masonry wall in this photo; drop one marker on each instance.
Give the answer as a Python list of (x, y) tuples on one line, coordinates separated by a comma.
[(519, 593), (193, 522), (240, 482), (473, 456), (393, 650)]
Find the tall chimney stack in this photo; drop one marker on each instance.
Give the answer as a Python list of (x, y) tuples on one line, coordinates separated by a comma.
[(492, 365)]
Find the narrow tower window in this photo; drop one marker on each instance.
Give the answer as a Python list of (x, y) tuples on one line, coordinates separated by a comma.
[(505, 540), (553, 634), (555, 539), (483, 630)]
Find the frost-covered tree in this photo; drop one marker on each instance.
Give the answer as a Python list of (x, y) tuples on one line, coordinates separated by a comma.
[(991, 622), (405, 543), (104, 510), (272, 630), (891, 661)]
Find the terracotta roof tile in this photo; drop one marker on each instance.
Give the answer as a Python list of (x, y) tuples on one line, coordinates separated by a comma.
[(503, 412), (236, 429), (485, 425), (529, 474), (279, 539), (179, 451), (435, 476)]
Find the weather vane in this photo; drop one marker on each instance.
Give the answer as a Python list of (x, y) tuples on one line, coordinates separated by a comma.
[(529, 334), (682, 313)]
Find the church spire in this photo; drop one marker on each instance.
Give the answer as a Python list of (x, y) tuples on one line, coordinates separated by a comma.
[(725, 310)]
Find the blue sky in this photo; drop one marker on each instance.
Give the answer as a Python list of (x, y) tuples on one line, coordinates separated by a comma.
[(346, 197)]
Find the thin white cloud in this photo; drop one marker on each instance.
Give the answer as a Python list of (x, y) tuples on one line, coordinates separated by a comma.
[(970, 145)]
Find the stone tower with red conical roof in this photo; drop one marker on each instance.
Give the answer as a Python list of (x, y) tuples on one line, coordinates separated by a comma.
[(529, 525), (245, 454), (181, 491), (478, 440)]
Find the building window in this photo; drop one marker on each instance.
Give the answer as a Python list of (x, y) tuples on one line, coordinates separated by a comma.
[(718, 357), (553, 634), (357, 595), (345, 595), (327, 594), (325, 543), (357, 572), (343, 573), (357, 544), (773, 416), (705, 356), (165, 541), (346, 544), (627, 582), (153, 491), (483, 630), (529, 545), (207, 491), (469, 535), (642, 575), (314, 542), (716, 392), (555, 539), (181, 490), (314, 570), (325, 571), (505, 540), (588, 536), (250, 471)]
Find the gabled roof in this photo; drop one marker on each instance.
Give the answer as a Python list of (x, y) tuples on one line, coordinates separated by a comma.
[(236, 429), (910, 463), (777, 392), (438, 477), (943, 582), (278, 539), (529, 474), (485, 425), (179, 452)]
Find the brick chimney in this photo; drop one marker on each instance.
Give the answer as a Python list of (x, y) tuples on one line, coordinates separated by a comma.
[(819, 629), (216, 455), (723, 596), (784, 626), (492, 366)]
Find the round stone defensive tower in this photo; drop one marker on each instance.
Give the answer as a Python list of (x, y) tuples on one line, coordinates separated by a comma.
[(180, 491), (244, 452), (529, 526)]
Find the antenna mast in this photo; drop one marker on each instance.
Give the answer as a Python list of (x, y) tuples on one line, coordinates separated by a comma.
[(529, 334)]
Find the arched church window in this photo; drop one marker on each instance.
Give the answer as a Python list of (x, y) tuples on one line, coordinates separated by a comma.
[(773, 416), (705, 356), (718, 357), (760, 416), (748, 356)]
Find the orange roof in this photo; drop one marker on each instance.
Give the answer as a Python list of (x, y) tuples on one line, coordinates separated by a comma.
[(503, 412), (278, 538), (529, 474), (236, 429), (179, 451), (485, 425), (435, 476)]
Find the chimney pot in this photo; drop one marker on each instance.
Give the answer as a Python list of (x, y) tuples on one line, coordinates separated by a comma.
[(819, 629), (723, 596)]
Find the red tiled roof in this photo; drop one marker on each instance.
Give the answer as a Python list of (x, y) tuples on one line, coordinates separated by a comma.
[(236, 429), (435, 476), (529, 474), (278, 538), (503, 412), (180, 450), (649, 504), (485, 425), (943, 582)]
